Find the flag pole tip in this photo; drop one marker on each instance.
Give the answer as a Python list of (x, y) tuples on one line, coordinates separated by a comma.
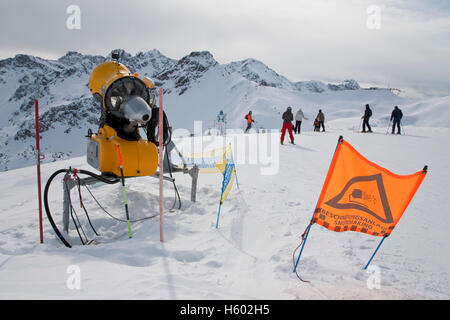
[(425, 169)]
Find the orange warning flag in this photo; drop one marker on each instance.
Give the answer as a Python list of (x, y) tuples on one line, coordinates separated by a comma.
[(358, 195)]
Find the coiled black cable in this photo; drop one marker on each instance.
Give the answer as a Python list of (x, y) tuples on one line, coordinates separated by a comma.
[(46, 206)]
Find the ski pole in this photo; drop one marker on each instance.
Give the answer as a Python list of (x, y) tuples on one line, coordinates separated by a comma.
[(124, 193), (360, 123), (389, 126), (256, 126)]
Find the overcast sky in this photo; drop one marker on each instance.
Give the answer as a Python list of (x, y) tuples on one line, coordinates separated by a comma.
[(405, 44)]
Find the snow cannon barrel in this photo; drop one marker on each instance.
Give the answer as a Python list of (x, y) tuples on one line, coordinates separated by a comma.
[(127, 103), (111, 83)]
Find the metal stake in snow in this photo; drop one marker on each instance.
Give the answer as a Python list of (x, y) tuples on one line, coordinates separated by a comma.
[(161, 165), (38, 155)]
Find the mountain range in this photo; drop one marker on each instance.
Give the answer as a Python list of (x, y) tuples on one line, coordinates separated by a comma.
[(195, 87)]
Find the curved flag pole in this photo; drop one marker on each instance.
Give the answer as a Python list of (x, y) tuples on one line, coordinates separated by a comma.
[(327, 179), (376, 250), (221, 196), (218, 214), (235, 171), (424, 172)]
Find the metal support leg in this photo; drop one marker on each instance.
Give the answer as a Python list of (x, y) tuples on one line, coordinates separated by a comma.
[(68, 184), (194, 175)]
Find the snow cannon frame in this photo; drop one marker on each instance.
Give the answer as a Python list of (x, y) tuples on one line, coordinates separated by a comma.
[(116, 88)]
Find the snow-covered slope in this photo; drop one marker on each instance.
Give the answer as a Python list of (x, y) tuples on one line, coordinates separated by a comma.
[(250, 255), (196, 87)]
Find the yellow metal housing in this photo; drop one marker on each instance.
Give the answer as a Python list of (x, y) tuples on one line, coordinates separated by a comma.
[(139, 158), (105, 74)]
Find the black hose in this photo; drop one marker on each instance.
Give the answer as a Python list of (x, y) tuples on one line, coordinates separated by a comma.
[(153, 123), (46, 206), (72, 210)]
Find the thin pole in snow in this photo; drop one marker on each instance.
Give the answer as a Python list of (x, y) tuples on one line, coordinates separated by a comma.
[(218, 214), (161, 165), (303, 245), (328, 177), (389, 126), (38, 155), (379, 245)]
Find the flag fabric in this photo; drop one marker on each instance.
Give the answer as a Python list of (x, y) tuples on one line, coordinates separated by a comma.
[(206, 161), (228, 170), (229, 173), (359, 195)]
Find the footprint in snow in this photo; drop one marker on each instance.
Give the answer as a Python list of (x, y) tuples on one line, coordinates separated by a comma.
[(188, 256), (214, 264), (293, 204)]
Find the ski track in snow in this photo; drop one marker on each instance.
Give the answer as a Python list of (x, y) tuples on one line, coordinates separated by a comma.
[(250, 255)]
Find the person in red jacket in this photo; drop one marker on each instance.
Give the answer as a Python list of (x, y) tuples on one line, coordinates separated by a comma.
[(287, 117)]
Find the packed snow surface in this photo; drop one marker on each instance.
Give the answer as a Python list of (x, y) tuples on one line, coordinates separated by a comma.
[(250, 255)]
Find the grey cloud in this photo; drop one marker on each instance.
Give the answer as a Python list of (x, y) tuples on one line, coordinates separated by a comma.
[(303, 40)]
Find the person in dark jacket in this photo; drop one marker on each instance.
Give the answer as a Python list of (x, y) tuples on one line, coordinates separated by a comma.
[(287, 117), (397, 116), (366, 117), (321, 119)]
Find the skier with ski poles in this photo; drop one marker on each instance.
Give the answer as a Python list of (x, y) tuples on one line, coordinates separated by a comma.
[(250, 120), (396, 116), (287, 117), (366, 117)]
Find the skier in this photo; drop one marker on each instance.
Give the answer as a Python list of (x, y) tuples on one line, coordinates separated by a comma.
[(366, 117), (316, 125), (321, 119), (249, 121), (221, 122), (298, 120), (396, 115), (287, 124)]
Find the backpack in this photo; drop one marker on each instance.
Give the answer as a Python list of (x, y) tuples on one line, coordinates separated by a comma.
[(246, 117)]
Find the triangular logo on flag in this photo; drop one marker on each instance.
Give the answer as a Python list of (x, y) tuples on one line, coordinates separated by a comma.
[(366, 194), (359, 195)]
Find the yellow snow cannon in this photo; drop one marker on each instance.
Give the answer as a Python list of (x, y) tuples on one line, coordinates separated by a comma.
[(127, 102)]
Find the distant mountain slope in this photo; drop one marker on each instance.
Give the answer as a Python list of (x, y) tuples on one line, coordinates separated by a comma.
[(196, 87)]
